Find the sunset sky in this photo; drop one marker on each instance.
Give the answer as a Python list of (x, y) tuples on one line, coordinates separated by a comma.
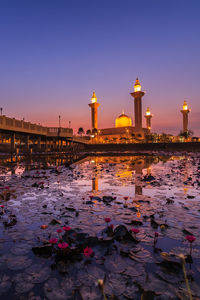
[(53, 54)]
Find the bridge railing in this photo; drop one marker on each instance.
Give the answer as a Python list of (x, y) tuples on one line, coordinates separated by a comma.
[(12, 124), (21, 126), (59, 131)]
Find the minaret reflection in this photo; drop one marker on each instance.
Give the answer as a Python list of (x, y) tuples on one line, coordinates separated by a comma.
[(133, 163), (143, 163), (140, 165), (187, 168), (95, 182), (95, 179)]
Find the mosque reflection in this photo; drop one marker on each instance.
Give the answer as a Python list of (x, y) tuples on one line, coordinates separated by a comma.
[(130, 167)]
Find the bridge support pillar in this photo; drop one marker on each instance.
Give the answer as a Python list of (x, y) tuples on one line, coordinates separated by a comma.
[(27, 142), (39, 143), (54, 144), (12, 142), (46, 145)]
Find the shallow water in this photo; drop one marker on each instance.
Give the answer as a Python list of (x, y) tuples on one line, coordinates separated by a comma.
[(163, 195)]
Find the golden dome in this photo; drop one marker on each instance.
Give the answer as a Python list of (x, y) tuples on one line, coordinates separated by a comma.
[(123, 121)]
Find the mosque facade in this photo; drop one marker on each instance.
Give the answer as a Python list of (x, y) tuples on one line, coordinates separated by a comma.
[(124, 131)]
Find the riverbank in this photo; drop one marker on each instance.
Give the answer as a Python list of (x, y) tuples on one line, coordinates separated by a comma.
[(171, 147)]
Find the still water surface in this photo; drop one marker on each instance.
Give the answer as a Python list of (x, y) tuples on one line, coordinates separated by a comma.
[(149, 193)]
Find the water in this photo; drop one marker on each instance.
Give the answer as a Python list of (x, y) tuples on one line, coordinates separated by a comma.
[(150, 192)]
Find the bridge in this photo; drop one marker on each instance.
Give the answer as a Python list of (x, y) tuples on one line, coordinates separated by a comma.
[(19, 134)]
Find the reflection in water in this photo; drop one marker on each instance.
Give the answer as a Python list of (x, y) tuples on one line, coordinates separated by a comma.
[(107, 173), (95, 180), (13, 164), (131, 167), (127, 169)]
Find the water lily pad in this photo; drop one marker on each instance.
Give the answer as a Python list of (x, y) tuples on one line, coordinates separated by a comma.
[(134, 270), (38, 273), (22, 283), (116, 264), (5, 283), (115, 285), (20, 249), (53, 290), (168, 276), (155, 286), (143, 255), (90, 293), (18, 262)]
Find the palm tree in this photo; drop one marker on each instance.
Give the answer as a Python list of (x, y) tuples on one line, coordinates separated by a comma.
[(81, 131), (186, 134), (165, 138), (88, 132), (150, 138), (94, 131)]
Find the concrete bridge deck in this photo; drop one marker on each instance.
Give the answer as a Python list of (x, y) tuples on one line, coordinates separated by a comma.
[(30, 133), (14, 125)]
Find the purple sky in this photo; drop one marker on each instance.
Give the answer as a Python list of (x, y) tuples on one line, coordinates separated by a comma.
[(55, 53)]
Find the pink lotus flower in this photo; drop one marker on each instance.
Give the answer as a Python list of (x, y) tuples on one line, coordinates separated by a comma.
[(53, 241), (190, 238), (2, 206), (63, 245), (88, 252), (156, 234), (135, 230), (66, 228), (107, 220), (59, 230)]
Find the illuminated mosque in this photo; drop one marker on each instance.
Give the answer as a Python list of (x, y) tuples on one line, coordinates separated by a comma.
[(124, 129)]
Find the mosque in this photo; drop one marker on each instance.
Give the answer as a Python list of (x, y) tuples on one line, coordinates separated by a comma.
[(124, 130)]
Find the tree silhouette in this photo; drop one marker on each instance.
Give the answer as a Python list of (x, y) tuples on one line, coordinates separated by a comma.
[(94, 131), (88, 132), (186, 134), (81, 131)]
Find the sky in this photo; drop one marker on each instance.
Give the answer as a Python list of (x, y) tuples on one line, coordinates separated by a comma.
[(54, 53)]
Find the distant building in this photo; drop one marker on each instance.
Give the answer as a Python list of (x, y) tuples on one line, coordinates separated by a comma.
[(185, 111), (123, 131)]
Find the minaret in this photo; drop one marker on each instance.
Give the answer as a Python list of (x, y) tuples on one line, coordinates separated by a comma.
[(137, 95), (185, 111), (94, 105), (148, 117)]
